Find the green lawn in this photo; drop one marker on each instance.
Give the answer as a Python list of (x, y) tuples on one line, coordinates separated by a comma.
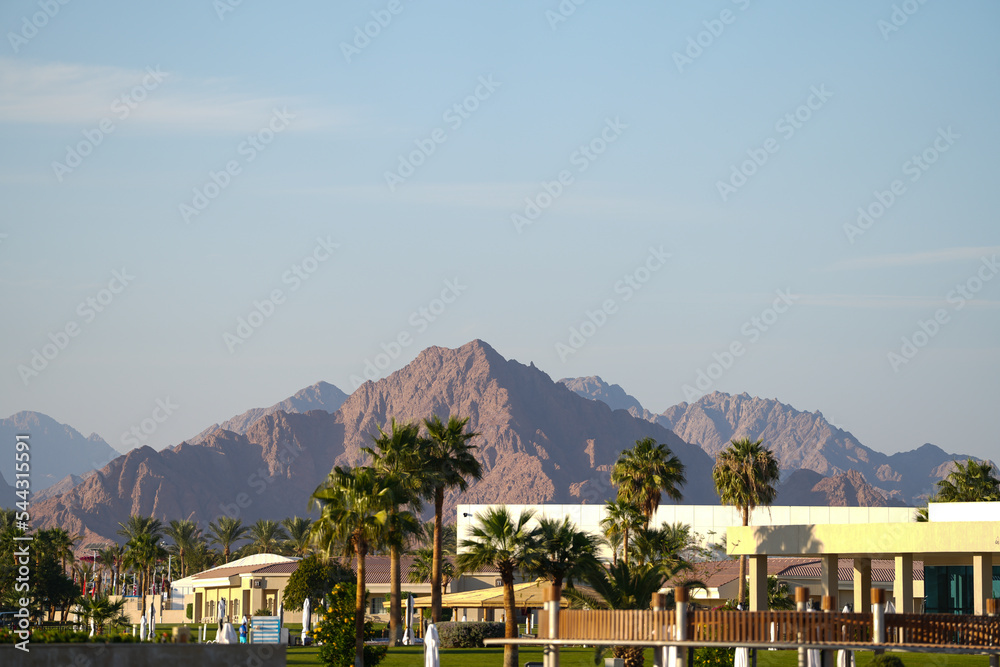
[(412, 656)]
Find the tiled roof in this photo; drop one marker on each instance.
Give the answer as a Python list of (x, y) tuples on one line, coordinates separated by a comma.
[(377, 568), (719, 573)]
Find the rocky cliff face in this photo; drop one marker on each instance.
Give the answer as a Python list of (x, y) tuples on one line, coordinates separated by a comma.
[(539, 442), (849, 489)]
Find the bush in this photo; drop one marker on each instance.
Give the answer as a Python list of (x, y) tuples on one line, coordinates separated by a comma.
[(713, 656), (262, 612), (189, 613), (468, 635), (335, 630), (887, 660)]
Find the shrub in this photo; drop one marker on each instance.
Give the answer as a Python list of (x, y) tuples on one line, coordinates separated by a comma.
[(189, 613), (713, 656), (887, 660), (468, 635), (335, 630), (262, 612)]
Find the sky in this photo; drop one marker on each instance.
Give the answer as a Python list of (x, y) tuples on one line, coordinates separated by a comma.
[(209, 205)]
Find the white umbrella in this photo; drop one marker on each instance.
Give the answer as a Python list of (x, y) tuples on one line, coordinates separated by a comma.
[(890, 608), (845, 658), (220, 612), (742, 658), (152, 619), (306, 619), (228, 635), (91, 627), (281, 615), (142, 629), (431, 642), (408, 632)]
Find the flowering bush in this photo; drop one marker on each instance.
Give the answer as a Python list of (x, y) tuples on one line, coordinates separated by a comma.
[(335, 630)]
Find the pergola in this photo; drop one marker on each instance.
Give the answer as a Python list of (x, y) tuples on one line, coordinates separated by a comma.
[(975, 543), (529, 595)]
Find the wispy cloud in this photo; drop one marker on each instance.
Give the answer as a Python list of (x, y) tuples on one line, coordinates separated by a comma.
[(915, 258), (76, 94)]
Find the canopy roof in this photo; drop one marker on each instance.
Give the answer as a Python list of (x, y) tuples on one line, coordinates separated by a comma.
[(530, 594)]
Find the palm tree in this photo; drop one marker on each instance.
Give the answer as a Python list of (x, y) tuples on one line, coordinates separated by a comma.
[(745, 476), (102, 611), (644, 472), (500, 541), (620, 517), (297, 528), (564, 553), (449, 465), (227, 532), (140, 525), (113, 557), (969, 482), (267, 536), (62, 545), (353, 509), (422, 568), (186, 535), (400, 456), (144, 551), (663, 547)]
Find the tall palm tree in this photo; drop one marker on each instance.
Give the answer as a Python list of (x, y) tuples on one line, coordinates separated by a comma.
[(746, 476), (353, 509), (113, 557), (297, 528), (140, 525), (267, 536), (186, 534), (450, 464), (564, 552), (646, 471), (226, 532), (400, 456), (508, 544), (422, 568), (144, 551), (968, 482), (620, 517), (62, 545)]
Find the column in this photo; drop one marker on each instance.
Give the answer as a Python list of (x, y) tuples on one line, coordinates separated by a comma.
[(982, 581), (902, 587), (829, 577), (758, 583), (862, 585)]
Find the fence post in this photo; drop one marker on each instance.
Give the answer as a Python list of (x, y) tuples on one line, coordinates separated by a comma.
[(553, 596), (878, 618), (680, 622), (992, 609), (659, 603), (829, 605), (801, 599)]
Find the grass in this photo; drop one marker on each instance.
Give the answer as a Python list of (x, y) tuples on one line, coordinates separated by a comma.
[(412, 656)]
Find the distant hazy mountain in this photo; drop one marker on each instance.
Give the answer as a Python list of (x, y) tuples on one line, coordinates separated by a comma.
[(801, 440), (320, 396), (62, 486), (849, 489), (595, 388), (57, 450), (539, 443)]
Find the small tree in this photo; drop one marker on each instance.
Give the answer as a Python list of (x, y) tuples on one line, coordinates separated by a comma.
[(313, 578)]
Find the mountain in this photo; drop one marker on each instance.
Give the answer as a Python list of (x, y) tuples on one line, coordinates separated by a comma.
[(539, 442), (62, 486), (849, 489), (57, 450), (320, 396), (596, 389)]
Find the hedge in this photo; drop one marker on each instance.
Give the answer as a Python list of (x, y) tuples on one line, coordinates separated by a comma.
[(468, 635)]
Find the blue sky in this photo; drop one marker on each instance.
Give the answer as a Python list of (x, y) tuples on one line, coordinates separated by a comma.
[(715, 154)]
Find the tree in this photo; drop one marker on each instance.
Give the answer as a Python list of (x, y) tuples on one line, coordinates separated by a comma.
[(298, 534), (400, 456), (563, 553), (645, 472), (186, 535), (267, 536), (745, 476), (142, 547), (102, 611), (620, 517), (353, 508), (226, 532), (113, 557), (969, 482), (313, 578), (449, 464), (500, 541), (422, 568), (664, 547)]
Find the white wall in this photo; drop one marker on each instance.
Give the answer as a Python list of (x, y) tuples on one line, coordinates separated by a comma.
[(963, 511)]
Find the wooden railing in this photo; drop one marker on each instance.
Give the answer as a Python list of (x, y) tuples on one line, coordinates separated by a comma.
[(942, 629)]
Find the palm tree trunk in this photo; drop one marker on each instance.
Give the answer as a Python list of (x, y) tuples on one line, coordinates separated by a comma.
[(436, 565), (743, 565), (510, 623), (395, 604), (625, 544), (359, 611)]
